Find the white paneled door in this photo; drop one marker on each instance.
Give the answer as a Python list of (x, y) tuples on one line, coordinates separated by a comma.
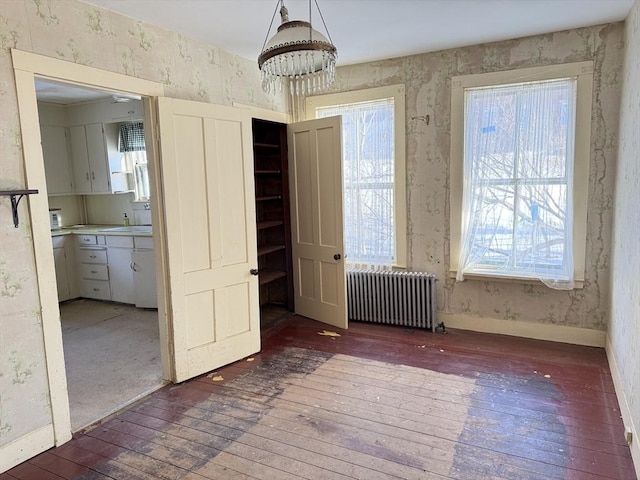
[(315, 173), (207, 175)]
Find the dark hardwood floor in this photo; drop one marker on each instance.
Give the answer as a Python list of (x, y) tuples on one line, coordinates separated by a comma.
[(375, 402)]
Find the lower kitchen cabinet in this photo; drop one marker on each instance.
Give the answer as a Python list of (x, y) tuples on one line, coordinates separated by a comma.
[(93, 273), (144, 279), (120, 268), (62, 275)]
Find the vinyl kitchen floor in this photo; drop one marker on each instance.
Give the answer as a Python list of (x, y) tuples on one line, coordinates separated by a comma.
[(112, 356)]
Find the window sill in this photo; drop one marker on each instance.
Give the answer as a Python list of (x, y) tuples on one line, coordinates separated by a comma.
[(493, 277)]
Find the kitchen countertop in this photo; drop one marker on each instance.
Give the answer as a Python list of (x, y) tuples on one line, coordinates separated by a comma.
[(115, 230)]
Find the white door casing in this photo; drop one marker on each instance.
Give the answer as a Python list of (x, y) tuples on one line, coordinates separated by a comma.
[(26, 67), (207, 169), (315, 176)]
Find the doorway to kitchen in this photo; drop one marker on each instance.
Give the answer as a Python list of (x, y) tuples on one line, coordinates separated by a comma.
[(98, 193)]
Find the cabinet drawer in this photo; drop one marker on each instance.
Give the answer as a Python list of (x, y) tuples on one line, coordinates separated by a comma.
[(58, 241), (97, 289), (117, 241), (144, 242), (94, 271), (92, 255), (87, 240)]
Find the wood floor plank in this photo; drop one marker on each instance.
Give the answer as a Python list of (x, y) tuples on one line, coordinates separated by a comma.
[(375, 403), (327, 429), (129, 461), (29, 471), (63, 467), (604, 463)]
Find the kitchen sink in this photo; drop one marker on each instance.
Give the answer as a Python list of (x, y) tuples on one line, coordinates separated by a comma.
[(131, 229)]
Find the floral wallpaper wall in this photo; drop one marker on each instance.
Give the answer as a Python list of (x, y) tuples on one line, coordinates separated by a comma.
[(427, 78), (81, 33), (624, 330)]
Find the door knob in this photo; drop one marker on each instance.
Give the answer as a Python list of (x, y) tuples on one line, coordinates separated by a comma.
[(337, 256), (253, 271)]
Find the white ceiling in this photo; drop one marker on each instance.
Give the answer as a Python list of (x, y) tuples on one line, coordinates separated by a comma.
[(62, 93), (366, 30)]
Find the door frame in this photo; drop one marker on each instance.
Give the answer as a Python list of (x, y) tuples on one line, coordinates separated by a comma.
[(27, 66)]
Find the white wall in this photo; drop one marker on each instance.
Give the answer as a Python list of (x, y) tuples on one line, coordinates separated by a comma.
[(623, 346)]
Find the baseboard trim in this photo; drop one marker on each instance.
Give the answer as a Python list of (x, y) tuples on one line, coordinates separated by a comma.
[(23, 448), (539, 331), (627, 418)]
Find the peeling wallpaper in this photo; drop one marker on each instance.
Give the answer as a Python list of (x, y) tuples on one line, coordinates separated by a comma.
[(190, 69), (80, 33), (427, 79), (624, 329)]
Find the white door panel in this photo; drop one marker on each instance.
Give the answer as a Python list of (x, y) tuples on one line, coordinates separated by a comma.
[(315, 163), (211, 234)]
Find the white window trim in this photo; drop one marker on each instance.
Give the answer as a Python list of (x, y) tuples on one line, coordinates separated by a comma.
[(583, 71), (397, 92)]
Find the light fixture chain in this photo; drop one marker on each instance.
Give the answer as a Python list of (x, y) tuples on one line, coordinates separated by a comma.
[(310, 24), (322, 18), (278, 3)]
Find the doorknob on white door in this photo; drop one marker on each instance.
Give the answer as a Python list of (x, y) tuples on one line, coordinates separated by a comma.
[(337, 256)]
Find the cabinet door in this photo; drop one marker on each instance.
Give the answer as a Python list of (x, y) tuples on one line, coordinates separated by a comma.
[(56, 159), (80, 159), (144, 279), (98, 160), (62, 279), (120, 275)]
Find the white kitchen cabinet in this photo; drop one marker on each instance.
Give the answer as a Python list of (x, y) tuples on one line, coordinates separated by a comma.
[(60, 262), (89, 159), (144, 278), (120, 268), (93, 273), (56, 160)]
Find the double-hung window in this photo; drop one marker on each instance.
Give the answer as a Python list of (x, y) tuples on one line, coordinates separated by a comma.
[(374, 203), (132, 145), (520, 160)]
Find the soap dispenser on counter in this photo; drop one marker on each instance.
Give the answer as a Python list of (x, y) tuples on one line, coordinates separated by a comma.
[(125, 220)]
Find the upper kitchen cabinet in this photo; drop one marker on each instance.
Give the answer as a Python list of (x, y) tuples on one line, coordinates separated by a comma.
[(89, 159), (91, 148), (56, 160)]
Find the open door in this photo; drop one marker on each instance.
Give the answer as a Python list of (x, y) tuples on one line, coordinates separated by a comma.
[(315, 166), (207, 175)]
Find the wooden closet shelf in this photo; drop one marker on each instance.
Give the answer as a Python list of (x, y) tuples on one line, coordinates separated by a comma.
[(269, 197), (267, 276), (269, 224), (265, 145), (268, 172), (266, 249)]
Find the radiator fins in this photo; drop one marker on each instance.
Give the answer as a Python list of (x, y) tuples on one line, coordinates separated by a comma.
[(395, 298)]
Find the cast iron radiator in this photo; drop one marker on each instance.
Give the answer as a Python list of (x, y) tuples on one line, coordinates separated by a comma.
[(395, 298)]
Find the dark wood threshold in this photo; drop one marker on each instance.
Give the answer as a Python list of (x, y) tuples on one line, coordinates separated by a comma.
[(375, 402)]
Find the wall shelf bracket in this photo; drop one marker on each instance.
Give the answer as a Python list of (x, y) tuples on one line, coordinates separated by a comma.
[(16, 196)]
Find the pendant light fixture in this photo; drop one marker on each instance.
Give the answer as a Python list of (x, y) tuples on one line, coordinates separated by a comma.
[(297, 53)]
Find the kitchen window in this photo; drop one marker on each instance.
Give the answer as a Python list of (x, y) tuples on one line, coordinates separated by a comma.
[(132, 145), (373, 151), (520, 159)]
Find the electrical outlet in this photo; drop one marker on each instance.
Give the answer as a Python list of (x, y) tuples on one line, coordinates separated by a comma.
[(628, 435)]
